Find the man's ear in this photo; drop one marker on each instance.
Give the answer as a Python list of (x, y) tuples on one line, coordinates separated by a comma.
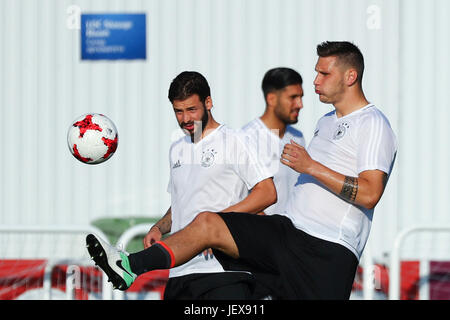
[(351, 77), (208, 103), (271, 99)]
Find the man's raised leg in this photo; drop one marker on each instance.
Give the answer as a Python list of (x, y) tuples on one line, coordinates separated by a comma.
[(207, 230)]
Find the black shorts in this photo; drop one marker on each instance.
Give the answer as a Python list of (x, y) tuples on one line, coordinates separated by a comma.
[(287, 261), (211, 286)]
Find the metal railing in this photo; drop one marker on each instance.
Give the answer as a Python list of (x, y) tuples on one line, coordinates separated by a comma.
[(129, 234), (367, 261), (142, 229), (51, 263), (368, 273), (394, 272)]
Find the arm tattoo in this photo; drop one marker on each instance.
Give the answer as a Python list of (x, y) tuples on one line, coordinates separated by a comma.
[(350, 188), (165, 223)]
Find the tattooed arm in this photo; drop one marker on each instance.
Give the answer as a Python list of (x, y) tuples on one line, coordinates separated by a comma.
[(364, 190), (160, 228)]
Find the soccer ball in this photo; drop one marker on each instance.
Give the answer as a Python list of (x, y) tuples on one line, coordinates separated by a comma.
[(92, 138)]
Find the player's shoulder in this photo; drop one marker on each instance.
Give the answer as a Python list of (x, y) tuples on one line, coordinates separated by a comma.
[(373, 120), (236, 137), (237, 134), (257, 133), (372, 115), (329, 114), (179, 140), (326, 118), (225, 130), (253, 125), (256, 129), (229, 134), (294, 132)]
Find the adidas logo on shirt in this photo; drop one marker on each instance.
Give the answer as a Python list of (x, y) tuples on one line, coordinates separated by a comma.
[(177, 164)]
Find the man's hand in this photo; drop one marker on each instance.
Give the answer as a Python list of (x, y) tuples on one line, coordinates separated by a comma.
[(152, 236), (208, 254), (296, 157), (364, 190)]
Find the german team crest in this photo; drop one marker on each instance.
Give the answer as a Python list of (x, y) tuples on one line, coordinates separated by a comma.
[(208, 158), (341, 131)]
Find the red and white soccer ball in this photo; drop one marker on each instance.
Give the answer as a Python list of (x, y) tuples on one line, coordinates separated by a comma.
[(92, 138)]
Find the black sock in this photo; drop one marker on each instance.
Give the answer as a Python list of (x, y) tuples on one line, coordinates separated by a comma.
[(158, 256)]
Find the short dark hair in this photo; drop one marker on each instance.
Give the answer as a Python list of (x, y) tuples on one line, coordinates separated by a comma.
[(187, 84), (347, 53), (279, 78)]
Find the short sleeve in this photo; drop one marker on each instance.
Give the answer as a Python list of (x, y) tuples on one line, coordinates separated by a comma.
[(247, 165), (377, 144), (264, 146)]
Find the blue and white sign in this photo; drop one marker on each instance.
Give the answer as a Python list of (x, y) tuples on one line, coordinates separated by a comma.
[(113, 36)]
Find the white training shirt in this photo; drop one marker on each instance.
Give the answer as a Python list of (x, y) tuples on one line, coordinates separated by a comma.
[(269, 147), (210, 175), (360, 141)]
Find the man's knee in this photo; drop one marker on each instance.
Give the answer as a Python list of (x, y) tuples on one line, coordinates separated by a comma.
[(210, 224), (215, 232), (206, 220)]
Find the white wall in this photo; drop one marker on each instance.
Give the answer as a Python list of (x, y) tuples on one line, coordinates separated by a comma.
[(44, 85)]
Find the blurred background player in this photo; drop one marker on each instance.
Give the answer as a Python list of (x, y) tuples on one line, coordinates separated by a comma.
[(283, 92), (210, 169)]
